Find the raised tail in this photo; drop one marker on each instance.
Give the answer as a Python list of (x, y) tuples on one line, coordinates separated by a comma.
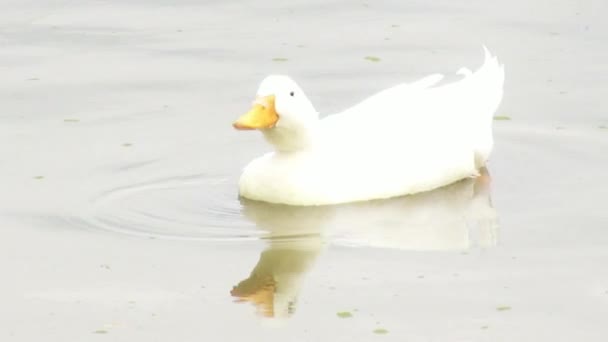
[(486, 90)]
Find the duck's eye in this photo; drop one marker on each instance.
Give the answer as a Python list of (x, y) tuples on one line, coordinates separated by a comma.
[(291, 94)]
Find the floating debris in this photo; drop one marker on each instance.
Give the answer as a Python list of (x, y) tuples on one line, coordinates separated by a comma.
[(344, 314), (380, 331), (279, 59), (503, 308), (372, 59), (502, 118)]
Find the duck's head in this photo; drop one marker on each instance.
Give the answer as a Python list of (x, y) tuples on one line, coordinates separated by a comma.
[(281, 111)]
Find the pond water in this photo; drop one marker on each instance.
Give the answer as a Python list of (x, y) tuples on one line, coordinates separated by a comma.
[(119, 206)]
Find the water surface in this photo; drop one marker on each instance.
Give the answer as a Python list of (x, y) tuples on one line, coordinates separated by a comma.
[(119, 210)]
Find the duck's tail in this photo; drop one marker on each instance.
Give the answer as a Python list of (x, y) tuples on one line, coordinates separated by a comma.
[(486, 87), (492, 75)]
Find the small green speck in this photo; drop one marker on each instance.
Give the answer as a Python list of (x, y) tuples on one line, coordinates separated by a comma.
[(372, 59), (602, 127), (394, 25), (279, 59), (502, 118), (39, 177), (344, 314), (101, 331), (71, 120), (127, 145), (503, 308), (380, 331), (484, 327)]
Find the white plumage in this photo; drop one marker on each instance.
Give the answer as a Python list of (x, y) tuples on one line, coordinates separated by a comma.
[(406, 139)]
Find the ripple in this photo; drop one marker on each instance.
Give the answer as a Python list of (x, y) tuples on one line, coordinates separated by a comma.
[(194, 207), (203, 207)]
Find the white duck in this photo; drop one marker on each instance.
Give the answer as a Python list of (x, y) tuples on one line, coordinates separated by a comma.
[(406, 139)]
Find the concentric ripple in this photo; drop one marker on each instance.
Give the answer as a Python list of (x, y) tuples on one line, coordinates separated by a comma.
[(201, 207), (196, 207)]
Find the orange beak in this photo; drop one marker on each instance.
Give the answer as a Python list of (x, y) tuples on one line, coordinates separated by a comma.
[(262, 116)]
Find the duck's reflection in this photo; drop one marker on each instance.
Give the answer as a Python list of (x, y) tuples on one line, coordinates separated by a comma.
[(451, 218)]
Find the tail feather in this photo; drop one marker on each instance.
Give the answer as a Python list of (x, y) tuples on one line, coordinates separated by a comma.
[(487, 83)]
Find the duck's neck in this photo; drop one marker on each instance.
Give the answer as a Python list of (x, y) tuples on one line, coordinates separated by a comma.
[(288, 139)]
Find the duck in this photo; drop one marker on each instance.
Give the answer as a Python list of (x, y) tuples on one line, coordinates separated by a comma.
[(410, 138)]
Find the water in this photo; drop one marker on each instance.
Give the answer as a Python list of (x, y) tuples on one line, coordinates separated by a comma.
[(119, 209)]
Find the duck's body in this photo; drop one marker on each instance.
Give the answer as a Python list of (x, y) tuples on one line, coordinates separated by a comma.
[(404, 140)]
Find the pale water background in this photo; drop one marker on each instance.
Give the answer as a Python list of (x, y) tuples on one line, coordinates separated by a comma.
[(119, 214)]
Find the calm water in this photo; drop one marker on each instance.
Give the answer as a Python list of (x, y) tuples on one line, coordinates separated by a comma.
[(119, 211)]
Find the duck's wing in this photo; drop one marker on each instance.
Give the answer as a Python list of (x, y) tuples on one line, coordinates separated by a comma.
[(370, 106), (424, 113)]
